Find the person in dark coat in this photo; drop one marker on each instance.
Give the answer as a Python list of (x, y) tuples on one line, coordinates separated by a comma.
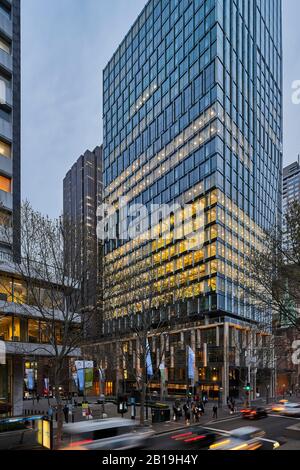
[(66, 413), (215, 412)]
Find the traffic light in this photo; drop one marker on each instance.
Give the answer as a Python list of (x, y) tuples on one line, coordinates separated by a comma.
[(247, 387)]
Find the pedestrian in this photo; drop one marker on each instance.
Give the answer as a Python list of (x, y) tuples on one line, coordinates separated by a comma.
[(291, 393), (215, 412), (193, 412), (187, 413), (37, 398), (66, 413), (201, 406), (50, 413)]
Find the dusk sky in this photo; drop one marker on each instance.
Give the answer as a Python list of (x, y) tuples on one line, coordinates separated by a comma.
[(65, 46)]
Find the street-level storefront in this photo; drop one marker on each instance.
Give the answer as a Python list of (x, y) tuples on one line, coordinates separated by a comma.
[(226, 352)]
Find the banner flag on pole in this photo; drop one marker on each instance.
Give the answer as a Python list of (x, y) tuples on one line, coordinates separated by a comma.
[(191, 364), (148, 360)]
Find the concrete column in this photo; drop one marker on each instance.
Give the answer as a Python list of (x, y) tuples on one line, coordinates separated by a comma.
[(17, 385), (225, 368)]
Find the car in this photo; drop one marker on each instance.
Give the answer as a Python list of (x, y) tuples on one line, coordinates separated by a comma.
[(254, 412), (192, 438), (291, 409), (279, 406), (110, 434), (244, 438)]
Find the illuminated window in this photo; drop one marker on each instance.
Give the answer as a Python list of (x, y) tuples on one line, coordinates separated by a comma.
[(5, 289), (5, 184), (20, 292), (5, 149), (33, 331), (5, 328)]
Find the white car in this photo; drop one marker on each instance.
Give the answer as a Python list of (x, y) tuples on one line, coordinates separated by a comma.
[(291, 409), (245, 438)]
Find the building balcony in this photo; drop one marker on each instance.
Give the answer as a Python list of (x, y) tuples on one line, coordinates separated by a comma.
[(35, 349), (6, 129), (6, 235), (5, 25), (6, 165), (6, 200), (6, 61)]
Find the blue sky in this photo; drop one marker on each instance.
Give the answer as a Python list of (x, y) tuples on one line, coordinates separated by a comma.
[(65, 46)]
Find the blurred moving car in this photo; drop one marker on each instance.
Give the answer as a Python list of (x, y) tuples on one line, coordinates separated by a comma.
[(113, 433), (254, 412), (192, 438), (291, 409), (245, 438)]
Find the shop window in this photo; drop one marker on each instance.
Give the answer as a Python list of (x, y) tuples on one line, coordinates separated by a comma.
[(5, 184)]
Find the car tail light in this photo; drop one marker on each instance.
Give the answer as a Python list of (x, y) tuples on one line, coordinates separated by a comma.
[(197, 438), (180, 436), (80, 443)]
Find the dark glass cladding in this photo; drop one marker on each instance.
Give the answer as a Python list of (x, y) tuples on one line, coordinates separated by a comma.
[(192, 103)]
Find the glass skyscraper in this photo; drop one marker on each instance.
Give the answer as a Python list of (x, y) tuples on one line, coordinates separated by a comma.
[(192, 111)]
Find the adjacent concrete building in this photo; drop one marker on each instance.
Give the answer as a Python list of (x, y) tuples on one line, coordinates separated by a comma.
[(10, 113)]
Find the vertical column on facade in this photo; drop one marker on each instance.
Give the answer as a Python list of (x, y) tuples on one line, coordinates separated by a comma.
[(118, 368), (161, 360), (225, 368), (193, 346), (18, 380)]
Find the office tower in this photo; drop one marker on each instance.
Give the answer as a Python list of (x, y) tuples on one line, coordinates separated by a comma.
[(291, 184), (192, 109), (82, 194), (10, 129)]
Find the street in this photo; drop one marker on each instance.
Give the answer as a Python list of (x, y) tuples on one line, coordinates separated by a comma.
[(274, 427)]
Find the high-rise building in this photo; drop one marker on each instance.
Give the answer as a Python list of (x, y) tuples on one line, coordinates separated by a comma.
[(192, 111), (10, 129), (291, 184), (82, 194)]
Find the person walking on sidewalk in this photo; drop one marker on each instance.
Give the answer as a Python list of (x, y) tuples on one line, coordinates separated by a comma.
[(187, 413), (215, 412), (66, 413)]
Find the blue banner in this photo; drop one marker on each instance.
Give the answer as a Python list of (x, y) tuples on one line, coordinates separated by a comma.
[(81, 377), (191, 363), (148, 361)]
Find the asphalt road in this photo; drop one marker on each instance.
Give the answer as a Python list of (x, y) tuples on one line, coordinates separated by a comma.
[(273, 425)]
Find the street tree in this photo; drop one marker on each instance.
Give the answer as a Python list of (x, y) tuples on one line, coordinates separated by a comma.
[(53, 293)]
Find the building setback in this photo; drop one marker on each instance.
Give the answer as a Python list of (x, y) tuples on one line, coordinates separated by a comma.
[(10, 133), (82, 194), (192, 112)]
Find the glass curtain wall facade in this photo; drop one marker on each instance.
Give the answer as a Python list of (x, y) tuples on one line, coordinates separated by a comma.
[(192, 111)]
